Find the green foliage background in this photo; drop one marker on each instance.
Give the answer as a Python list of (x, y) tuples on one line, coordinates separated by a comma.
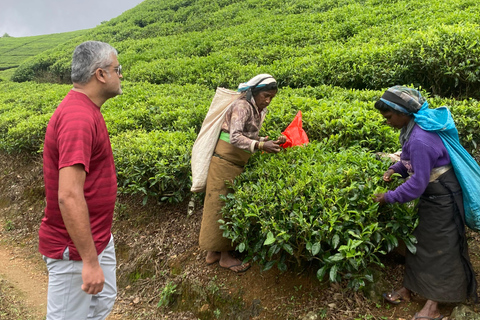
[(332, 59), (354, 44), (14, 51)]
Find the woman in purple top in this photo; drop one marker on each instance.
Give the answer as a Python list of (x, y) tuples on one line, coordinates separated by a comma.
[(440, 269)]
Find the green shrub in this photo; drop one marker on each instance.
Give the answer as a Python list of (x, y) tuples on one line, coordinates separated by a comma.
[(315, 204), (443, 59), (17, 141), (344, 120), (467, 120), (24, 113), (154, 164), (157, 107)]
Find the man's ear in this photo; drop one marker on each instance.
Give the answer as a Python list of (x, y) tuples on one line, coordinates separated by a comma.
[(100, 74)]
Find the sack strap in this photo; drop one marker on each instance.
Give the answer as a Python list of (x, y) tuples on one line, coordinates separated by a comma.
[(437, 172)]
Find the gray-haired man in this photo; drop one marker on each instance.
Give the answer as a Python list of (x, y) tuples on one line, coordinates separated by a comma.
[(80, 184)]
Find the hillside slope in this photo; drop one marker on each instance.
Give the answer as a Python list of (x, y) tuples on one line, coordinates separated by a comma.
[(14, 51), (353, 44)]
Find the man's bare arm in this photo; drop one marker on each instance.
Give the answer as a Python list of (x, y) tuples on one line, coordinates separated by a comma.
[(75, 215)]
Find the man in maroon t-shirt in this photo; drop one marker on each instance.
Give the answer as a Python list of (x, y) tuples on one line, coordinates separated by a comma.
[(80, 183)]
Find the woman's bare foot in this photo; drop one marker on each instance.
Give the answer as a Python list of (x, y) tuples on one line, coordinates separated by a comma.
[(230, 262), (212, 257), (395, 297), (429, 311)]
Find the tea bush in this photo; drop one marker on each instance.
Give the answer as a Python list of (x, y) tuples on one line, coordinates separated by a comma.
[(443, 59), (157, 107), (154, 164), (314, 203), (24, 113), (344, 123), (343, 117), (467, 120)]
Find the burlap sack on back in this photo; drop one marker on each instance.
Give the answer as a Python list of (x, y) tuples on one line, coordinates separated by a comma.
[(207, 137)]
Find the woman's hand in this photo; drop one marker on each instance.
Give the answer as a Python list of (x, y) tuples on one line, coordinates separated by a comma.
[(387, 176), (281, 140), (380, 198), (271, 146)]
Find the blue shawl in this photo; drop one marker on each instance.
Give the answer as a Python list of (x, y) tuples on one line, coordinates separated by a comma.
[(466, 168)]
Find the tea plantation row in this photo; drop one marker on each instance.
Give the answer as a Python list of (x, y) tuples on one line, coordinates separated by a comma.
[(13, 51), (353, 44), (304, 204), (148, 117)]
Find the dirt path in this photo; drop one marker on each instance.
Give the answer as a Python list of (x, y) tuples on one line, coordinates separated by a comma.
[(26, 277)]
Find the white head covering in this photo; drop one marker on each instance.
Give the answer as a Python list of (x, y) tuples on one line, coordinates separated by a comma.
[(258, 81)]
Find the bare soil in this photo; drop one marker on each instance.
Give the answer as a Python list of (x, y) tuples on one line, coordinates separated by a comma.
[(22, 284), (161, 271)]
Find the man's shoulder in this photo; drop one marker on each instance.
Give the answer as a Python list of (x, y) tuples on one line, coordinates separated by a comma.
[(75, 106), (76, 99)]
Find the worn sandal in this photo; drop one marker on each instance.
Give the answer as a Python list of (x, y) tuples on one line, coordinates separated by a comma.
[(244, 268), (389, 297), (416, 316)]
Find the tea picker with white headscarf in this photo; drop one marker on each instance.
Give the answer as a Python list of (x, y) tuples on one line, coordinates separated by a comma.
[(440, 269), (239, 139)]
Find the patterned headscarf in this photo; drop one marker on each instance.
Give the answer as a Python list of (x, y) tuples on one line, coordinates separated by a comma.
[(258, 83), (405, 100)]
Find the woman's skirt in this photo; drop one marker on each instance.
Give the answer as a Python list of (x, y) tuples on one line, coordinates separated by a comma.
[(227, 163), (440, 270)]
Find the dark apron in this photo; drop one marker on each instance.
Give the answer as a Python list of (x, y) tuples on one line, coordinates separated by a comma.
[(441, 270)]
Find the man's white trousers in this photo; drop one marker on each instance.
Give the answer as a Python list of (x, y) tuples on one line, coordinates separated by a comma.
[(67, 300)]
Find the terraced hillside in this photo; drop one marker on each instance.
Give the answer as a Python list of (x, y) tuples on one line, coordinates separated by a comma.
[(353, 44), (14, 51)]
